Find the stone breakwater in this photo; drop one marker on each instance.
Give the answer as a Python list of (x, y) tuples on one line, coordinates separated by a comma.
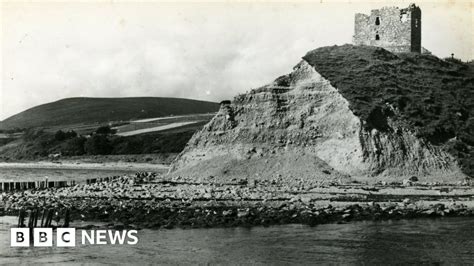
[(145, 200)]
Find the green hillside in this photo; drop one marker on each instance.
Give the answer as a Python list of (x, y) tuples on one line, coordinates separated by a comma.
[(431, 96), (100, 110)]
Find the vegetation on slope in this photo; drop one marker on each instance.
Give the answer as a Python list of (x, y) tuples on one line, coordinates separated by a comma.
[(38, 144), (433, 97), (92, 110)]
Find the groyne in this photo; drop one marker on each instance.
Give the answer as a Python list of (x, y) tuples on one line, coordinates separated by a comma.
[(16, 186)]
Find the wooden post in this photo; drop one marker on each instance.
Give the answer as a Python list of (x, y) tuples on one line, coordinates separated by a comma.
[(21, 218), (43, 217), (58, 217), (46, 218), (67, 217), (31, 236), (30, 219), (36, 218), (46, 223), (50, 218)]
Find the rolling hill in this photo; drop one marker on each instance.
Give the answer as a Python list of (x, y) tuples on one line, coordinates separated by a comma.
[(98, 110)]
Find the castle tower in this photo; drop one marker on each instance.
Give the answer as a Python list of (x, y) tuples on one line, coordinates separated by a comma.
[(397, 30)]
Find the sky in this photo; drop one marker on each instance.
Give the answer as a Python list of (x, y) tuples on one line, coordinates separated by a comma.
[(205, 51)]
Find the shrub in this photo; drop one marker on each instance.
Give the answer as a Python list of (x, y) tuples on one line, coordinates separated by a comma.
[(73, 146), (452, 60), (105, 130), (61, 135), (97, 144)]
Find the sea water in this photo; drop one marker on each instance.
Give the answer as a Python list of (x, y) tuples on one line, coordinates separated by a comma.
[(432, 241)]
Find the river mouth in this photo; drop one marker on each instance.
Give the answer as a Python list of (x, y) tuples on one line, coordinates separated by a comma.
[(414, 241)]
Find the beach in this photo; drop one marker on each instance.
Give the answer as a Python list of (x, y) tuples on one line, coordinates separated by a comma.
[(150, 200)]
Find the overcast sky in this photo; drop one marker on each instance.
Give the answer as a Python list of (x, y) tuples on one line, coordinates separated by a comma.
[(201, 51)]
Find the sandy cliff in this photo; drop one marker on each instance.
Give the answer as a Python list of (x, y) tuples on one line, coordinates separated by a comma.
[(301, 127)]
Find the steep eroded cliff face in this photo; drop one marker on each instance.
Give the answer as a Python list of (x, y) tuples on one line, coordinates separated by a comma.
[(430, 97), (301, 127)]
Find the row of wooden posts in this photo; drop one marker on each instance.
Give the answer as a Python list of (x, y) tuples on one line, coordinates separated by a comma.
[(16, 186), (12, 186), (101, 179), (42, 218)]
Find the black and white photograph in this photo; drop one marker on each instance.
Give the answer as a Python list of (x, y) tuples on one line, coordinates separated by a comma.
[(335, 132)]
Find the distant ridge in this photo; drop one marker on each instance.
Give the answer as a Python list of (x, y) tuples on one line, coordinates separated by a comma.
[(91, 110)]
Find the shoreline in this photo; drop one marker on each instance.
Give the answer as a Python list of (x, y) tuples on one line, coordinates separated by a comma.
[(145, 200), (83, 165), (330, 215)]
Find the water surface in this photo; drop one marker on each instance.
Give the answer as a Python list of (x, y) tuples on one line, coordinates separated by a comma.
[(60, 173), (447, 240), (39, 174)]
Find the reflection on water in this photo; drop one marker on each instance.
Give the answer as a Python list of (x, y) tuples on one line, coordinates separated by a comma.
[(448, 240)]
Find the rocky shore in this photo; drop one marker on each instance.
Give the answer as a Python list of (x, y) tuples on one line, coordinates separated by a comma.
[(145, 200)]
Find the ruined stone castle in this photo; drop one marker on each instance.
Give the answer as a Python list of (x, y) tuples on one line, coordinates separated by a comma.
[(397, 30)]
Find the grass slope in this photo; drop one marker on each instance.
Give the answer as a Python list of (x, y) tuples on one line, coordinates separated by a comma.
[(38, 144), (433, 97), (91, 110)]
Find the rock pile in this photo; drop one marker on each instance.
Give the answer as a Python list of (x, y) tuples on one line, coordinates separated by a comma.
[(151, 201)]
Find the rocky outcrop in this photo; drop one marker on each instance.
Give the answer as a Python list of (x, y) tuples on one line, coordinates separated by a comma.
[(401, 153), (301, 127)]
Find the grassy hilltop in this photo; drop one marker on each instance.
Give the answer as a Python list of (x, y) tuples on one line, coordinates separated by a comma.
[(64, 126), (100, 110), (431, 96)]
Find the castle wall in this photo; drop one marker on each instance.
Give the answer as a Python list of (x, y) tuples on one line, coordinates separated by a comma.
[(397, 30), (416, 30)]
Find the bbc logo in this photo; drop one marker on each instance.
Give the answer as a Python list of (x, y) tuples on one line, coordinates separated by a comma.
[(66, 237), (43, 237)]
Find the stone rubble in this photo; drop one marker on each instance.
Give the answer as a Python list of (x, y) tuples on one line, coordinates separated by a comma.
[(147, 200)]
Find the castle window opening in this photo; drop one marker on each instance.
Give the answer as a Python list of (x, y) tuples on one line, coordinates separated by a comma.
[(404, 17), (397, 30)]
